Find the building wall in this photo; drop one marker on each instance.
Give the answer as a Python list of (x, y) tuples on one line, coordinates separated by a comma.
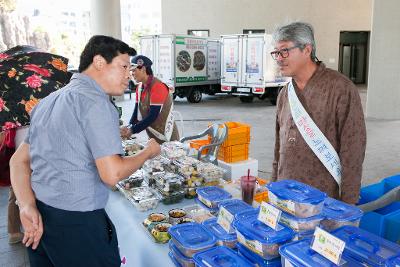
[(232, 16)]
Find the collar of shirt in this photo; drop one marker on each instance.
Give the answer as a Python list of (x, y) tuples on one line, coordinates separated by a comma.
[(85, 78)]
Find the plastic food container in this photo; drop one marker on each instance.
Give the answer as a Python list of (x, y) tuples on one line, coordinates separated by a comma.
[(212, 211), (172, 198), (223, 238), (233, 207), (257, 259), (131, 147), (296, 198), (365, 247), (299, 254), (174, 260), (338, 213), (394, 261), (300, 224), (153, 219), (212, 195), (175, 215), (168, 182), (179, 257), (258, 237), (191, 238), (303, 235), (160, 232), (210, 172), (143, 197), (220, 257), (173, 150), (197, 213), (135, 180)]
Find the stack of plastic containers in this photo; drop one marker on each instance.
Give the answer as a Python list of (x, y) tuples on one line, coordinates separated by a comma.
[(210, 196), (257, 259), (188, 239), (337, 214), (226, 238), (301, 206), (367, 248), (258, 237), (220, 257), (299, 254)]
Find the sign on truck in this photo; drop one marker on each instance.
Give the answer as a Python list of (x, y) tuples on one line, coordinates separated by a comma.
[(188, 64), (247, 68)]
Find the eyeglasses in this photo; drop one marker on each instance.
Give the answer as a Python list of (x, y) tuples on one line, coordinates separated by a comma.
[(283, 52)]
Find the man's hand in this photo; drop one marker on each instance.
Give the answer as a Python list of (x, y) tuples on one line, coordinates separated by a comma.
[(33, 226), (125, 132), (153, 147)]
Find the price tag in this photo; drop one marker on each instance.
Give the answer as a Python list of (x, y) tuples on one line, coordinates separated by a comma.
[(328, 245), (269, 215), (225, 219)]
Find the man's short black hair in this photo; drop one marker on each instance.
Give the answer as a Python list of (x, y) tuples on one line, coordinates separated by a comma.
[(105, 46)]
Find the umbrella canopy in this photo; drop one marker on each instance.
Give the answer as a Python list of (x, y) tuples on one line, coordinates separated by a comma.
[(26, 76)]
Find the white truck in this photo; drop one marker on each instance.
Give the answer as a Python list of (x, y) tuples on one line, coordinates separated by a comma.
[(247, 68), (188, 64)]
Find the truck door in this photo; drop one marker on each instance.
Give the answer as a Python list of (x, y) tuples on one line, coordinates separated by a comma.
[(148, 49), (230, 68), (165, 60), (213, 56), (253, 47)]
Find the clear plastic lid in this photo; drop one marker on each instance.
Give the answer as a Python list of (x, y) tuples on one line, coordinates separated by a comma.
[(218, 231), (302, 220), (299, 253), (234, 206), (257, 259), (220, 256), (251, 228), (339, 211), (296, 191), (192, 236), (365, 246), (213, 193)]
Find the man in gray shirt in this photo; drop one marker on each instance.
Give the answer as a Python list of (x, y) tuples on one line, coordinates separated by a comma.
[(71, 153)]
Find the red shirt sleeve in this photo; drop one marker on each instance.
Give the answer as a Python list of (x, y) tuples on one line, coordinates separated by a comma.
[(159, 94)]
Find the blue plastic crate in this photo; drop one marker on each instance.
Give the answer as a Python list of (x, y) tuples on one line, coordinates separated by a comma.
[(372, 192)]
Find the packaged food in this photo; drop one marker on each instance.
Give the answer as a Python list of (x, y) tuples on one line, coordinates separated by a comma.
[(160, 232), (157, 165), (220, 257), (213, 211), (174, 150), (338, 213), (131, 147), (154, 218), (296, 198), (185, 220), (258, 237), (365, 247), (172, 198), (168, 182), (257, 259), (191, 238), (174, 260), (212, 195), (210, 172), (175, 215), (190, 192), (143, 197), (223, 238), (135, 180), (299, 254), (232, 207), (197, 213), (181, 259), (300, 224)]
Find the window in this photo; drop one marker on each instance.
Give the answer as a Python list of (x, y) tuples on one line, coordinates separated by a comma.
[(250, 31), (200, 33)]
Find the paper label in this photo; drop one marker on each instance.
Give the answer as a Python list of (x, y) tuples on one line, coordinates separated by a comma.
[(328, 245), (225, 219), (253, 245), (285, 205), (269, 215), (205, 201)]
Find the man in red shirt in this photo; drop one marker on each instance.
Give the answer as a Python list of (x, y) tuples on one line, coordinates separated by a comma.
[(154, 104)]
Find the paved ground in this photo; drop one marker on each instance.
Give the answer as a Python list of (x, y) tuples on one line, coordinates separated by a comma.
[(382, 157)]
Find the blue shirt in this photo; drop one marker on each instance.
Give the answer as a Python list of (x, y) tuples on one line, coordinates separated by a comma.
[(69, 129)]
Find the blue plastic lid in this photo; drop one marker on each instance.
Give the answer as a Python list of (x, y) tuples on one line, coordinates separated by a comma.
[(299, 253), (251, 228), (178, 253), (220, 256), (302, 220), (365, 246), (234, 206), (257, 259), (213, 193), (174, 261), (339, 211), (192, 236), (394, 261), (296, 191), (218, 231)]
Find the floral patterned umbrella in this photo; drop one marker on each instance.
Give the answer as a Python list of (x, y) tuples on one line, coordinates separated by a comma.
[(27, 76)]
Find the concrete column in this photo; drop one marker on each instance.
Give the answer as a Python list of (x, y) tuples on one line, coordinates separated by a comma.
[(383, 97), (105, 17)]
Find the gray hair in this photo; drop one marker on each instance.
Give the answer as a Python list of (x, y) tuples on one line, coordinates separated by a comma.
[(300, 33)]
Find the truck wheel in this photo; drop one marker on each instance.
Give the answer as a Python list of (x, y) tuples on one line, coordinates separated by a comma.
[(246, 99), (195, 95)]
